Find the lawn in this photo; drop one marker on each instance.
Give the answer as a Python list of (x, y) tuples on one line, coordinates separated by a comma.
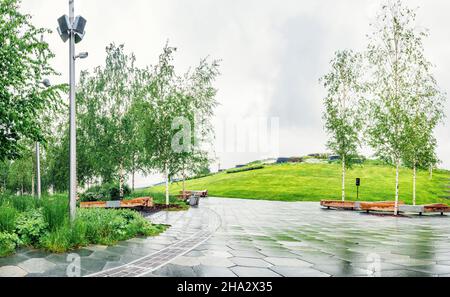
[(314, 182)]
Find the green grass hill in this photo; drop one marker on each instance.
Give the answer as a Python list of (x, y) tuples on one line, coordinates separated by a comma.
[(314, 182)]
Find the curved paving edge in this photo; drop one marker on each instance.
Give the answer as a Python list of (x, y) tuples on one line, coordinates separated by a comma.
[(154, 261)]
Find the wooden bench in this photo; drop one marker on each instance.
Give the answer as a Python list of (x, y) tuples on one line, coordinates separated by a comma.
[(385, 206), (422, 209), (145, 202), (187, 194), (336, 204)]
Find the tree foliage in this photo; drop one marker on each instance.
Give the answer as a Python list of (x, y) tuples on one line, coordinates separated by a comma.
[(24, 61), (343, 115)]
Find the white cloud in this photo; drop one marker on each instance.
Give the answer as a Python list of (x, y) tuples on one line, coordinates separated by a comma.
[(273, 52)]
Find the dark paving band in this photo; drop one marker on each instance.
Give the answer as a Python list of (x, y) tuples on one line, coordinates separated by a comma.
[(152, 262)]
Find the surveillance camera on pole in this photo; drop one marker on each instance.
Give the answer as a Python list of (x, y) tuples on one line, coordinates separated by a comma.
[(72, 29)]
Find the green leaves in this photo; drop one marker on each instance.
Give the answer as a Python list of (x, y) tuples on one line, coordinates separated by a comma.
[(406, 103), (24, 62), (343, 109)]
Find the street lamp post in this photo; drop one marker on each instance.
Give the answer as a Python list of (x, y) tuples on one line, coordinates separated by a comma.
[(47, 84), (72, 29)]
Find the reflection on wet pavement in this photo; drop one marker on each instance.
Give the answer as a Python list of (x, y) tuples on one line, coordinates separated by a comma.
[(262, 238), (233, 237)]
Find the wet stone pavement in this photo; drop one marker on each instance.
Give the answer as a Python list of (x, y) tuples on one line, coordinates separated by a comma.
[(245, 238)]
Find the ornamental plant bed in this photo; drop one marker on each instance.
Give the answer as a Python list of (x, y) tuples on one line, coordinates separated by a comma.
[(162, 207), (44, 224)]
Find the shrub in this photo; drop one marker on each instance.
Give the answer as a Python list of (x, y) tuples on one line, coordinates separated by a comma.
[(55, 211), (8, 217), (8, 243), (47, 225), (65, 238), (30, 226), (114, 191), (24, 203), (105, 193), (110, 226), (244, 169)]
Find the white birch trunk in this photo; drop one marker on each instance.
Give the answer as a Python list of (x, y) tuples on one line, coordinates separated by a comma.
[(167, 185), (32, 185), (414, 184), (397, 187), (343, 178), (121, 180), (184, 179)]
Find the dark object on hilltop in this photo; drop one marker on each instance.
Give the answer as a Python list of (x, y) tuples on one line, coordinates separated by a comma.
[(296, 160), (334, 158), (282, 160)]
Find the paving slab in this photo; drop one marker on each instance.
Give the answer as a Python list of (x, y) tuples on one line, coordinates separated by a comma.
[(298, 272), (224, 237), (36, 265), (250, 262), (254, 272), (12, 271)]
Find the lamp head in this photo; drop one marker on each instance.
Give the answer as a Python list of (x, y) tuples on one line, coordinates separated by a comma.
[(82, 55), (64, 27), (46, 83)]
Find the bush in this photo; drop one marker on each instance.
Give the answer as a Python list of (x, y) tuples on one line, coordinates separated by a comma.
[(30, 226), (65, 238), (54, 211), (47, 225), (24, 203), (109, 226), (105, 193), (8, 217), (8, 243), (244, 169)]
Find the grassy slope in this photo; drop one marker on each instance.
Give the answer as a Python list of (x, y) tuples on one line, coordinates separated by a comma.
[(313, 182)]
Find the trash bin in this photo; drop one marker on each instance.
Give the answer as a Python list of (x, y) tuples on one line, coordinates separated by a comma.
[(194, 200)]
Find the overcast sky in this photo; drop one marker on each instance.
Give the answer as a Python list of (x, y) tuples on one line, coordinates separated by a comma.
[(272, 52)]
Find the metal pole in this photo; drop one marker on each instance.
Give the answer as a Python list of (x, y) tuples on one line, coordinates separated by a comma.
[(73, 136), (38, 157), (38, 169)]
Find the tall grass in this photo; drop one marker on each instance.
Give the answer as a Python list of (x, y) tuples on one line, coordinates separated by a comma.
[(55, 210), (8, 216), (45, 224)]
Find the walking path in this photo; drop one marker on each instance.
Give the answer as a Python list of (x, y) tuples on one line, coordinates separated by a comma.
[(232, 237)]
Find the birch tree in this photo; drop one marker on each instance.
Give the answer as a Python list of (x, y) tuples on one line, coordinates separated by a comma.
[(425, 113), (105, 100), (172, 105), (393, 48), (342, 114), (160, 107)]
